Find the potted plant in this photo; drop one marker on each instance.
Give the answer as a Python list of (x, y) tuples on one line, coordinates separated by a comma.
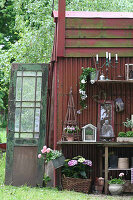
[(70, 130), (75, 174), (129, 124), (116, 185), (83, 83), (125, 136), (55, 156), (89, 134)]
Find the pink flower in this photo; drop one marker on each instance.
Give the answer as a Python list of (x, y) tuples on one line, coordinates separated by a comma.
[(121, 174), (44, 150), (45, 147), (48, 150), (39, 155)]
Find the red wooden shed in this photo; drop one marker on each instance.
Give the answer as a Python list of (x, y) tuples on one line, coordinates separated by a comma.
[(79, 36)]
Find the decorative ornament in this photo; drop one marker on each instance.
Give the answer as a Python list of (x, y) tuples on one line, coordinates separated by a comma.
[(119, 105)]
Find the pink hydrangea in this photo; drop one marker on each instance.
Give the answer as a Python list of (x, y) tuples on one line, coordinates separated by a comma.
[(72, 163)]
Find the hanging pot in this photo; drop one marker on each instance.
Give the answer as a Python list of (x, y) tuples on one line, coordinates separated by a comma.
[(58, 162)]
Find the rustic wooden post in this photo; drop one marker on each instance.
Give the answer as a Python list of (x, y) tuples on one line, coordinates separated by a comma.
[(61, 28), (106, 169)]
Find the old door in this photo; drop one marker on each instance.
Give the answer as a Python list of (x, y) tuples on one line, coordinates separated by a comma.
[(26, 124)]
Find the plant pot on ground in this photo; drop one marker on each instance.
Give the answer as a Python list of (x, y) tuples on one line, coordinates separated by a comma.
[(75, 174), (116, 185)]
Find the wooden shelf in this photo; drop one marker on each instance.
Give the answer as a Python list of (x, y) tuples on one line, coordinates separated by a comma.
[(116, 169), (109, 144), (115, 81)]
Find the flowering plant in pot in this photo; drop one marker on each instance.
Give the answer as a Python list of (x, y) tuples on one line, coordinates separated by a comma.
[(70, 130), (116, 185), (52, 155), (75, 174)]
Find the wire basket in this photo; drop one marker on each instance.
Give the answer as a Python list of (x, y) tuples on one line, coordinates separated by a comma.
[(76, 184)]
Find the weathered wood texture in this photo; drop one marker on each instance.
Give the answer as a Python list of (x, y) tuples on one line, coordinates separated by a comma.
[(87, 37), (25, 166), (89, 33), (68, 73)]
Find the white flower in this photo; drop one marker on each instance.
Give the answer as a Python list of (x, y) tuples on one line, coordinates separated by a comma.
[(84, 97), (92, 81), (79, 112), (83, 81)]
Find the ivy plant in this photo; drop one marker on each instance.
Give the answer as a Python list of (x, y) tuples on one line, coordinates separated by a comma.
[(83, 85)]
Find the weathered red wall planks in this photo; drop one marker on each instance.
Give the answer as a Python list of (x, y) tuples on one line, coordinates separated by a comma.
[(69, 70)]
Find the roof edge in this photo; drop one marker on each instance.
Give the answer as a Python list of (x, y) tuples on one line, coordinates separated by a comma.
[(87, 14)]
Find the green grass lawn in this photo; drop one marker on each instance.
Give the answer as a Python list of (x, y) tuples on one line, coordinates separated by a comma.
[(28, 193)]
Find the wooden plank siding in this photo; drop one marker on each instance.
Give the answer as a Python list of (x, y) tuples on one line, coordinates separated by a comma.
[(69, 70), (85, 37)]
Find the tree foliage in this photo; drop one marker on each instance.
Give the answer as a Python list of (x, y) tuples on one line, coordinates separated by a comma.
[(27, 29)]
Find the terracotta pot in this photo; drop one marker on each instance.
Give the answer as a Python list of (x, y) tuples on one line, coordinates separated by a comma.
[(101, 181), (70, 138), (116, 189)]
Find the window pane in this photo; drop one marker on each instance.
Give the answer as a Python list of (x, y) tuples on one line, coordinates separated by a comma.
[(19, 73), (37, 120), (17, 119), (29, 73), (27, 104), (26, 135), (18, 104), (36, 135), (27, 120), (37, 104), (18, 88), (16, 135), (38, 90), (28, 89), (39, 73)]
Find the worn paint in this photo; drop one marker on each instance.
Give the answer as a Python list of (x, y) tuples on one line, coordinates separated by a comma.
[(61, 29), (96, 33), (11, 141), (99, 43), (89, 52), (79, 23), (88, 14), (69, 70)]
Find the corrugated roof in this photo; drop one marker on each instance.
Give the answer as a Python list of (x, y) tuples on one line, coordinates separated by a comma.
[(86, 14)]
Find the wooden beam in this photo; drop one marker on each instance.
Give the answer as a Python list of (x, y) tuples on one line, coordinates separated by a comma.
[(61, 29), (106, 169), (99, 42), (89, 52), (97, 23), (96, 33)]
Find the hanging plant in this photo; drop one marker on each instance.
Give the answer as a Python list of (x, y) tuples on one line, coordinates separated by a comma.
[(83, 85)]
